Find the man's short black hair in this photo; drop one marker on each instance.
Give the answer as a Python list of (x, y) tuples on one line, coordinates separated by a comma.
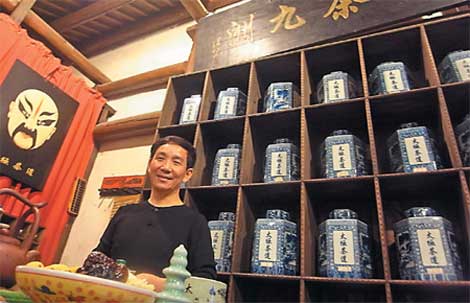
[(178, 141)]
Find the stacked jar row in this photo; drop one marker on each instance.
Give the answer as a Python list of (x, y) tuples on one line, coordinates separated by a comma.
[(267, 237)]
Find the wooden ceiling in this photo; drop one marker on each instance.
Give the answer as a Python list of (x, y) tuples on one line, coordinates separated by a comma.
[(95, 26)]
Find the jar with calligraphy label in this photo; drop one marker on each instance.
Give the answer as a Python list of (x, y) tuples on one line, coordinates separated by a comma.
[(390, 77), (344, 155), (230, 103), (336, 86), (275, 244), (462, 132), (281, 161), (412, 148), (227, 165), (426, 246), (343, 246), (190, 110), (455, 67), (222, 239), (281, 95)]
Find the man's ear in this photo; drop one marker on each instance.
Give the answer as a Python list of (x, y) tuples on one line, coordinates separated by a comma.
[(188, 175)]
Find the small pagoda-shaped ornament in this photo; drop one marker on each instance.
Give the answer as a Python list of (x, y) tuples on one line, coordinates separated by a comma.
[(176, 274)]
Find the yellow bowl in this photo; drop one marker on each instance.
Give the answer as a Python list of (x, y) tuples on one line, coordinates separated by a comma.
[(46, 285)]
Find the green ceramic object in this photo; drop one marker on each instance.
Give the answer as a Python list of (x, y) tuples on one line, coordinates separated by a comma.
[(176, 274)]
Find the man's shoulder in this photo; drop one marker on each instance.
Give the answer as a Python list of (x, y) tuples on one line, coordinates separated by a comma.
[(132, 207), (192, 213)]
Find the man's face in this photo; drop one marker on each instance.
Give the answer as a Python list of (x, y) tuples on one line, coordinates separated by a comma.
[(167, 169), (32, 118)]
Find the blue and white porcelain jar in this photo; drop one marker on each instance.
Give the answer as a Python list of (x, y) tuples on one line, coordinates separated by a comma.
[(222, 239), (343, 246), (412, 148), (455, 67), (275, 244), (336, 86), (426, 246), (190, 110), (462, 132), (281, 161), (390, 77), (227, 165), (344, 155), (281, 95), (230, 103)]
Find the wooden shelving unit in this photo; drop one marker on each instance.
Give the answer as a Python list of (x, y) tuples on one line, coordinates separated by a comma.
[(379, 199)]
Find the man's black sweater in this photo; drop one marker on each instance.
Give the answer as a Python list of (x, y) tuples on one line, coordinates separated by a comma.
[(145, 236)]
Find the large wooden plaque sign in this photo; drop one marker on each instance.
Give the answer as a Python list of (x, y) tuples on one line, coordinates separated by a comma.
[(263, 27)]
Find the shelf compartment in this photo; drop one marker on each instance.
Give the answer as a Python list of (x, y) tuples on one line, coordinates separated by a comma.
[(260, 133), (458, 105), (442, 42), (254, 201), (321, 122), (433, 292), (187, 132), (213, 200), (440, 191), (178, 89), (405, 46), (283, 68), (335, 291), (213, 136), (221, 79), (262, 289), (321, 198), (320, 62), (388, 112)]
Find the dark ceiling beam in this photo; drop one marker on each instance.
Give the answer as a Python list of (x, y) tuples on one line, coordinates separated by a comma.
[(21, 10), (212, 5), (152, 80), (60, 44), (88, 13), (124, 35), (195, 8)]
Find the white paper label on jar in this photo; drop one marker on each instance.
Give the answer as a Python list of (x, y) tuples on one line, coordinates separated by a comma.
[(190, 110), (217, 237), (393, 81), (431, 247), (341, 157), (416, 150), (343, 247), (226, 168), (336, 90), (463, 67), (267, 245), (227, 105), (278, 164)]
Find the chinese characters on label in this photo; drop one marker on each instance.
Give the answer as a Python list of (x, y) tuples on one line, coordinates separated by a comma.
[(341, 8), (285, 18), (279, 164), (341, 157), (393, 81), (335, 90), (343, 247), (217, 237), (268, 246), (463, 66), (431, 248), (227, 106), (226, 168), (18, 166), (416, 150)]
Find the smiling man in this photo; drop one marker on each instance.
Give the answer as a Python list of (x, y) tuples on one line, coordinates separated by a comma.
[(146, 234)]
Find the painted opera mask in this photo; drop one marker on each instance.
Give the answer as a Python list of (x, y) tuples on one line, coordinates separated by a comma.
[(32, 119)]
